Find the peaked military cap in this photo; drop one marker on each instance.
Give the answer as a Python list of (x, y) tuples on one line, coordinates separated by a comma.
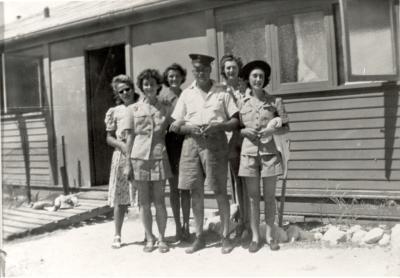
[(202, 59)]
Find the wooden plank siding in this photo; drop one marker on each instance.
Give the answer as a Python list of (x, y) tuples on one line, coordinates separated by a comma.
[(25, 150), (345, 141)]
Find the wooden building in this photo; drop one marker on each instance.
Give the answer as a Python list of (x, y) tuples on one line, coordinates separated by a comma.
[(334, 62)]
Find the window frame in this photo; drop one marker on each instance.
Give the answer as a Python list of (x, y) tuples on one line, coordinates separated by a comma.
[(270, 17), (38, 62), (295, 87), (345, 40)]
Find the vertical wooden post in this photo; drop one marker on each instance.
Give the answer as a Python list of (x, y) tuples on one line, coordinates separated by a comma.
[(63, 169), (79, 174), (128, 52), (3, 73), (212, 45), (25, 152)]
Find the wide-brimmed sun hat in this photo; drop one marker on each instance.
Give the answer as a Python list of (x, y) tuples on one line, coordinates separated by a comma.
[(257, 64)]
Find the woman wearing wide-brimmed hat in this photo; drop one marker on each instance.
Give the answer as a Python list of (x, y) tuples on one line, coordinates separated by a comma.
[(262, 115)]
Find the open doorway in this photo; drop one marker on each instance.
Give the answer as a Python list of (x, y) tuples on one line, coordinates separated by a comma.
[(102, 65)]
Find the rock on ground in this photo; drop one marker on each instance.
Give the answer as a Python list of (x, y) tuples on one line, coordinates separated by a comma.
[(385, 240), (373, 236), (358, 236), (334, 235)]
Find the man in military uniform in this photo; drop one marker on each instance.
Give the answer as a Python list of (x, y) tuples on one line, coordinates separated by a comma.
[(204, 112)]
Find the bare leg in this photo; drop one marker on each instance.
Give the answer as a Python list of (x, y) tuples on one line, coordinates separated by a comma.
[(175, 205), (253, 189), (198, 209), (145, 211), (119, 213), (185, 204), (158, 188), (269, 187), (224, 211)]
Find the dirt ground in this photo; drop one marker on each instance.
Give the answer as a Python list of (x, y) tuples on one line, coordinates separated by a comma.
[(85, 251)]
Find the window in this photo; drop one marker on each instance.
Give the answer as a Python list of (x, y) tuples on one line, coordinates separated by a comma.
[(315, 45), (237, 38), (23, 90), (302, 48), (369, 41), (296, 43)]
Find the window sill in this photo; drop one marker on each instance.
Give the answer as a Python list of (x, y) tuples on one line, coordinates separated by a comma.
[(347, 86)]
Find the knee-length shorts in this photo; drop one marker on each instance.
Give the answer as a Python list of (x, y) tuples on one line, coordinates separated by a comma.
[(204, 162), (260, 166)]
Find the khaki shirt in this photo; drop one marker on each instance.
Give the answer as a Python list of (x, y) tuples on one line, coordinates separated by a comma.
[(256, 114), (148, 124), (197, 107)]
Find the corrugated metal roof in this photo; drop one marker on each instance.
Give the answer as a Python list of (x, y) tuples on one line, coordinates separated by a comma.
[(70, 13)]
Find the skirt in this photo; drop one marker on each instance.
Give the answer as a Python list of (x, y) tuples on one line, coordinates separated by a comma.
[(120, 190), (151, 170)]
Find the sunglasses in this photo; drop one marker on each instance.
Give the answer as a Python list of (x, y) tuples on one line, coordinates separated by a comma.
[(124, 90)]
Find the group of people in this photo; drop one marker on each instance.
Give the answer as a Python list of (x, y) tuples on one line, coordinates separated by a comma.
[(189, 137)]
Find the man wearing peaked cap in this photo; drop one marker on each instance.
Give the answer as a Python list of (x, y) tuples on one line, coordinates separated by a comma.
[(201, 59), (204, 111)]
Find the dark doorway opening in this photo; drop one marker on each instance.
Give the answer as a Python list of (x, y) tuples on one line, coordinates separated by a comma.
[(102, 65)]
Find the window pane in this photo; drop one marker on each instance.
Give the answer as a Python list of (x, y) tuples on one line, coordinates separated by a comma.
[(22, 84), (370, 37), (246, 39), (303, 48)]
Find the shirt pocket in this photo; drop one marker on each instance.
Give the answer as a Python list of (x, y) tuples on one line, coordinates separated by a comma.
[(142, 122)]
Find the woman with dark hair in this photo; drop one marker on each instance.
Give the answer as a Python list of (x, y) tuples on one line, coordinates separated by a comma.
[(145, 124), (230, 68), (174, 77), (261, 115), (120, 191)]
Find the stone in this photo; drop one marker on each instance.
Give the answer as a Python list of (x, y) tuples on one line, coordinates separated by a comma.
[(385, 240), (395, 239), (373, 236), (318, 236), (334, 235), (358, 236)]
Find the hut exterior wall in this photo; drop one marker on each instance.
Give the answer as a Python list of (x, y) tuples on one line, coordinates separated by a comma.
[(345, 140), (160, 43), (70, 99)]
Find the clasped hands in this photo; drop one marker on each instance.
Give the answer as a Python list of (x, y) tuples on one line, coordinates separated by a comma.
[(205, 130)]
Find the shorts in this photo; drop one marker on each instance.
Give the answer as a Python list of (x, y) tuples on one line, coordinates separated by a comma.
[(151, 170), (260, 166), (204, 163)]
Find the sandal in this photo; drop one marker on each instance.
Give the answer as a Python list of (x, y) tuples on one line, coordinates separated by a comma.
[(149, 246), (163, 247), (116, 242)]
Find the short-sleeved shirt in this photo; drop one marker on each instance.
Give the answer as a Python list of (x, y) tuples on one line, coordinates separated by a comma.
[(256, 114), (148, 124), (197, 107), (113, 120), (168, 98)]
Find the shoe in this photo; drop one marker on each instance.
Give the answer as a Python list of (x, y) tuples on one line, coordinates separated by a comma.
[(197, 245), (254, 246), (245, 239), (149, 246), (185, 236), (227, 245), (163, 247), (116, 242), (273, 245)]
